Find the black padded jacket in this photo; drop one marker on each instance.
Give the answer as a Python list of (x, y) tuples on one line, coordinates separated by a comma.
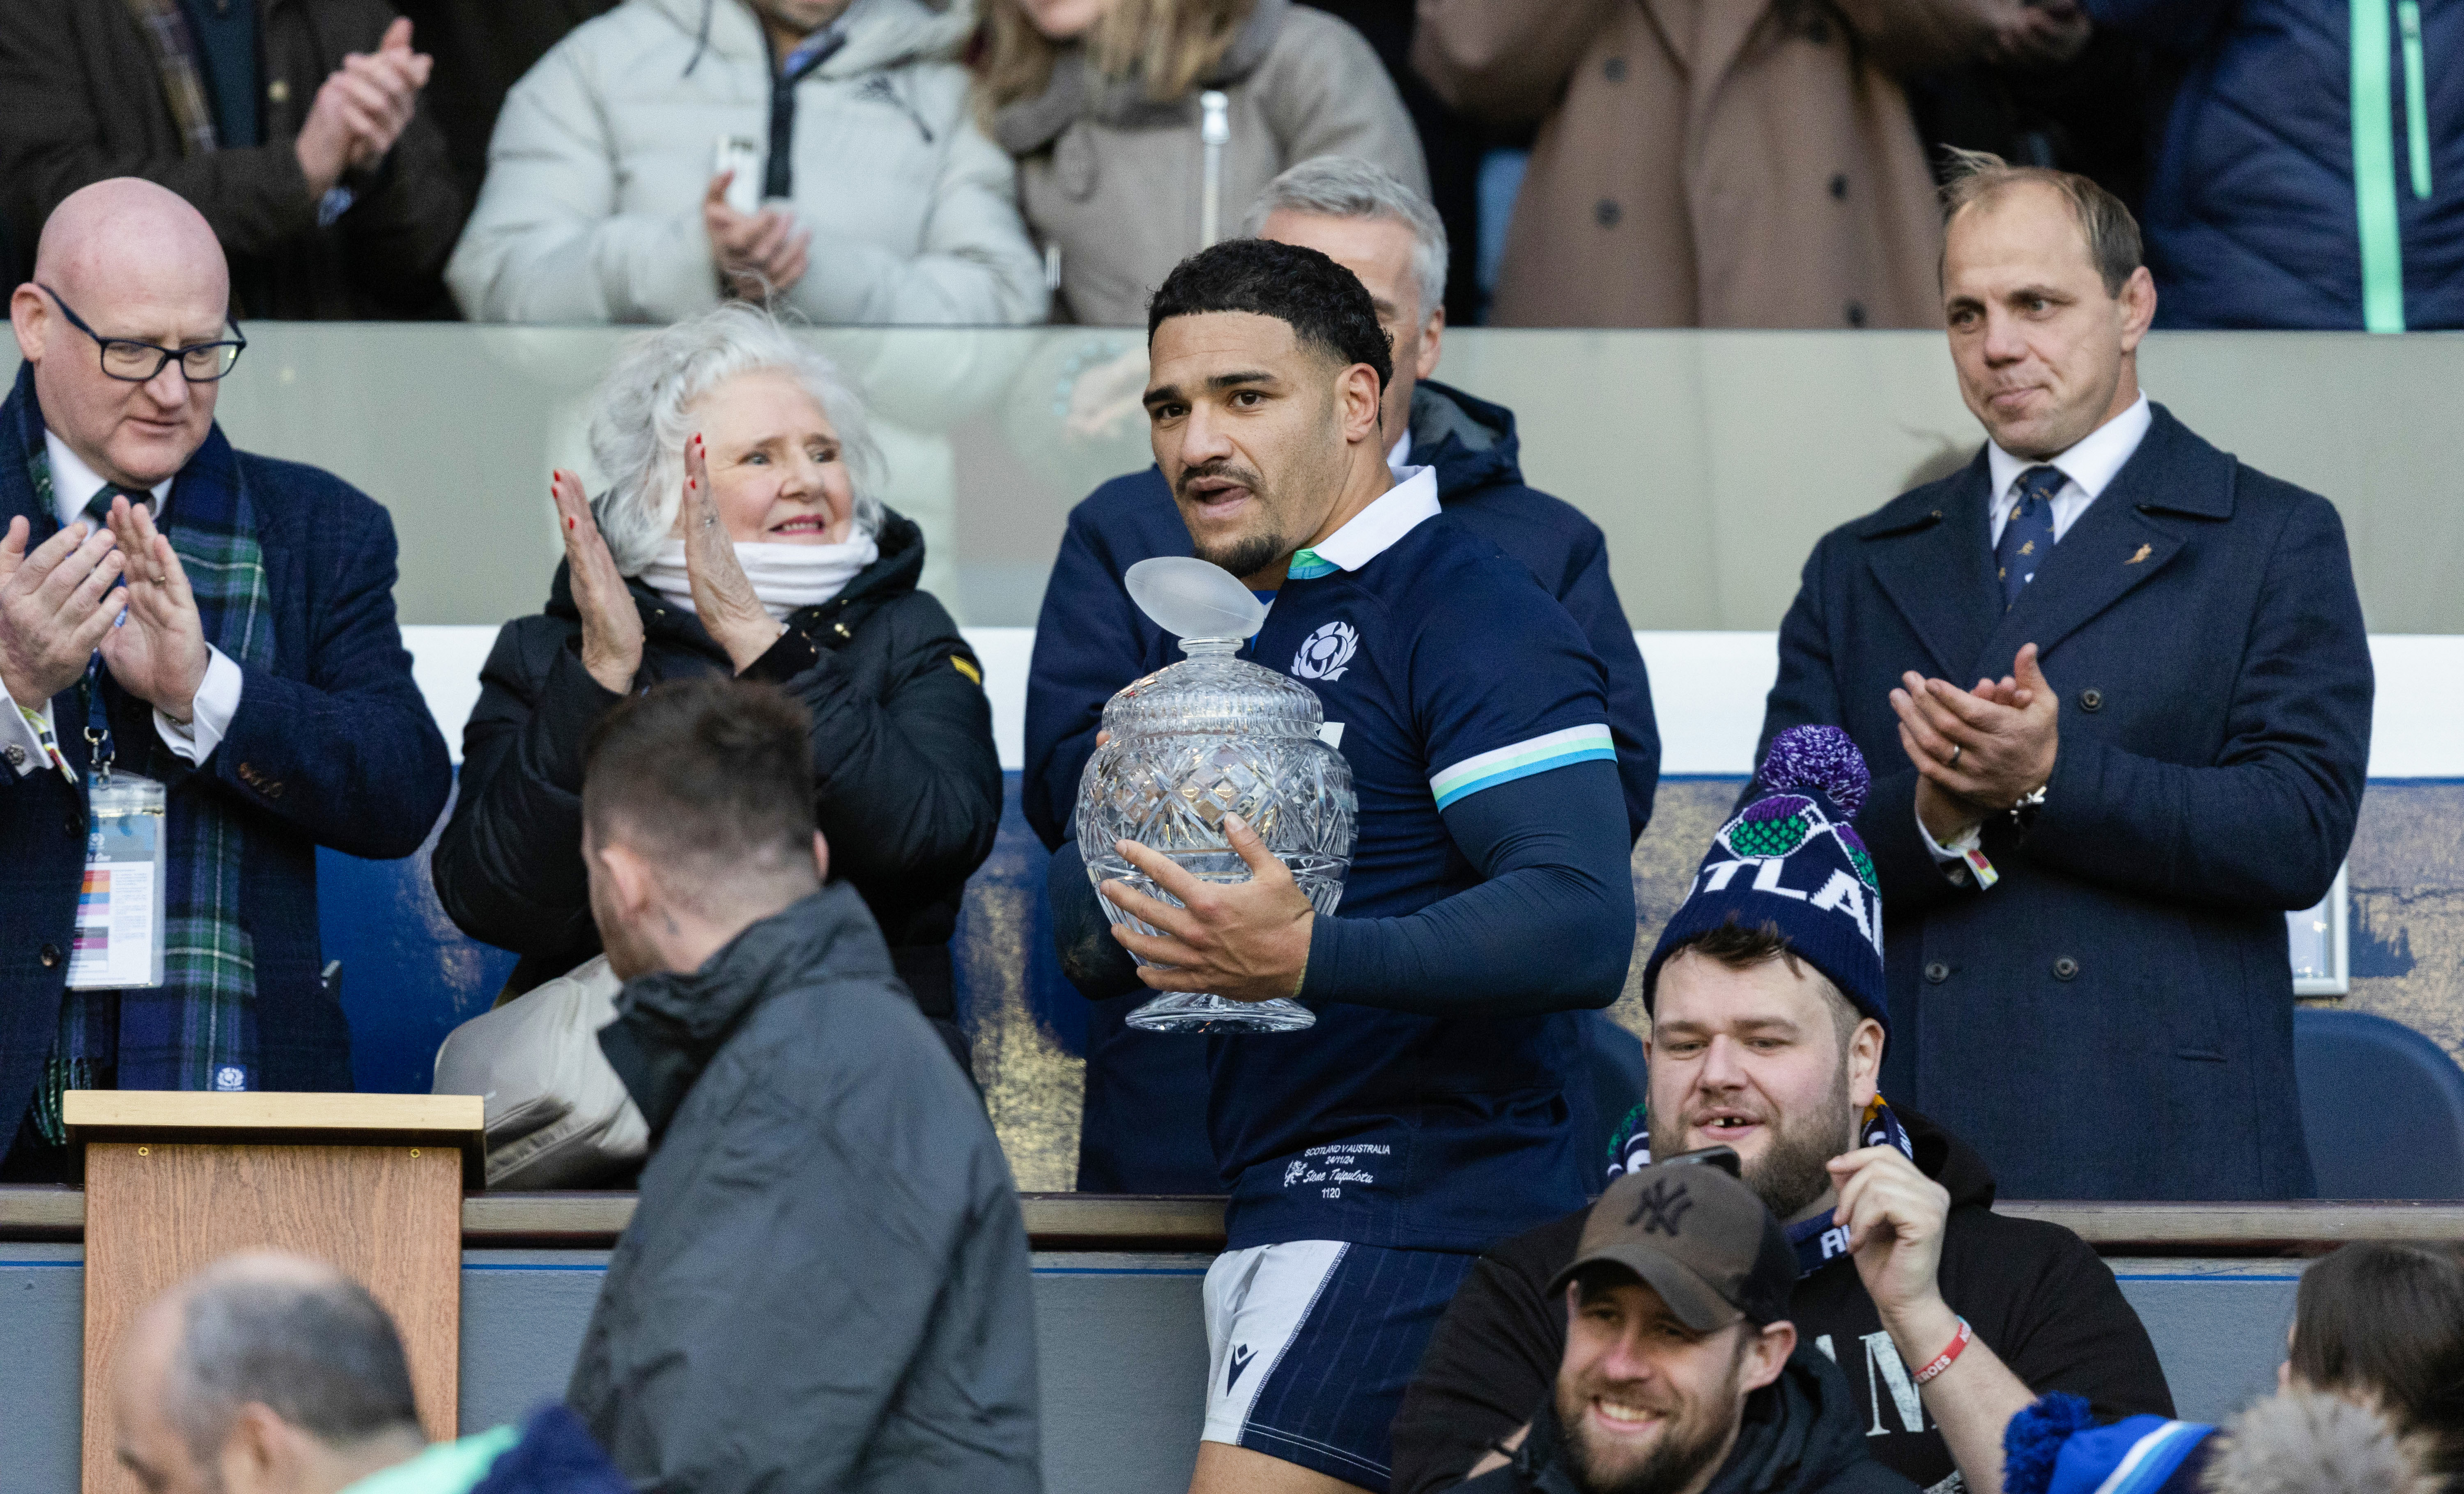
[(908, 785)]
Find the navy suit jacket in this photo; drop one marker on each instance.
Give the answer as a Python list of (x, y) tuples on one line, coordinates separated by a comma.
[(2113, 1020), (332, 746)]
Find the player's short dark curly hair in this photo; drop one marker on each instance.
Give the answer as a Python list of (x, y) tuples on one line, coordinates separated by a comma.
[(1325, 305)]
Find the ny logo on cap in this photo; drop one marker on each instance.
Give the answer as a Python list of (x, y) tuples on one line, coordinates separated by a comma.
[(1666, 1202)]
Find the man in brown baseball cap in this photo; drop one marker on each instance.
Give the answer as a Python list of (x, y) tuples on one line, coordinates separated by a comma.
[(1683, 1375)]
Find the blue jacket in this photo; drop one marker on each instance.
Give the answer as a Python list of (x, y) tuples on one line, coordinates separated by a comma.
[(1144, 1128), (333, 746), (1090, 639), (2113, 1020), (2256, 214)]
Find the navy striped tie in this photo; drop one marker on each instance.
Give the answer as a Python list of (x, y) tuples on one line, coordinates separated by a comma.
[(2027, 530)]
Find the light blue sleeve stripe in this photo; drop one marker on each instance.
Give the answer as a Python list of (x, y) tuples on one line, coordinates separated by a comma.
[(2154, 1457), (1457, 792), (1532, 748)]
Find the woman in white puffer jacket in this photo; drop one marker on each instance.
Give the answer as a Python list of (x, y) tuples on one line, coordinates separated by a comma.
[(901, 211)]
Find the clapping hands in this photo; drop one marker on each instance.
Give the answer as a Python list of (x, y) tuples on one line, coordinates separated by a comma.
[(611, 625), (362, 108), (1977, 752), (158, 654), (731, 611)]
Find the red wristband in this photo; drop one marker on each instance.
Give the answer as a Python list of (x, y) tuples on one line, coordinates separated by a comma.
[(1943, 1360)]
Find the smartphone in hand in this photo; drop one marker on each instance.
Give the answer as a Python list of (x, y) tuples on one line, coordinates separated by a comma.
[(743, 155)]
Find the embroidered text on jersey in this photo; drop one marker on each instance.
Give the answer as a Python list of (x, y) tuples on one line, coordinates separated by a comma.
[(1535, 755)]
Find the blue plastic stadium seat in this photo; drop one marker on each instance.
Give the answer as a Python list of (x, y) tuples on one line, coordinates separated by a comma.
[(2383, 1107)]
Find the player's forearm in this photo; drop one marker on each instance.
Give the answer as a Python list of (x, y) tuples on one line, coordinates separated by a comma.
[(1550, 928)]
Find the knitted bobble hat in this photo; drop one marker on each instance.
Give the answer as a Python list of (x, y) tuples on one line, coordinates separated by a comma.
[(1790, 859)]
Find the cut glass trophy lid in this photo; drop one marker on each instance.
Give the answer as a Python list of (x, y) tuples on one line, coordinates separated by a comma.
[(1190, 598)]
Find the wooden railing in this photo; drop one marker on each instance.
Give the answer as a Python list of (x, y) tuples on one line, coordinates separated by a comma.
[(1102, 1221)]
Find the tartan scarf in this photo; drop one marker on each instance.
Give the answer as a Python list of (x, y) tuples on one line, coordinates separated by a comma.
[(175, 57), (198, 1029)]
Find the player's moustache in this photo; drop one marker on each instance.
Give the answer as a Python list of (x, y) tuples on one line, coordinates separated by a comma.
[(1224, 468)]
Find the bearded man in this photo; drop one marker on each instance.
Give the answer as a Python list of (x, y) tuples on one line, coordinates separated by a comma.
[(1681, 1373), (1768, 1034), (1423, 1117)]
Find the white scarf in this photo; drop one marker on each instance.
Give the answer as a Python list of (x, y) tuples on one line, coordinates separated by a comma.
[(785, 577)]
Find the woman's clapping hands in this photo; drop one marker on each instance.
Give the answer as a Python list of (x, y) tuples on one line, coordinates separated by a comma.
[(611, 625)]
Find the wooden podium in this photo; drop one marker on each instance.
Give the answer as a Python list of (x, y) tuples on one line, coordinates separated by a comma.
[(176, 1179)]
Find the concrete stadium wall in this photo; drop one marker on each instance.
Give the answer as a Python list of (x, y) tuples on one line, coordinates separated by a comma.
[(1123, 1353)]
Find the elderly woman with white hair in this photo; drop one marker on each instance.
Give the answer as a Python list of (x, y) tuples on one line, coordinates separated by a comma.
[(737, 533)]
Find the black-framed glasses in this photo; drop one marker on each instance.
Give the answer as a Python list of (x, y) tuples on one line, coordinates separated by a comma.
[(139, 363)]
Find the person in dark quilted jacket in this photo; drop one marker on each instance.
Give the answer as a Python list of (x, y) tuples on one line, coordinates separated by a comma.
[(2312, 167)]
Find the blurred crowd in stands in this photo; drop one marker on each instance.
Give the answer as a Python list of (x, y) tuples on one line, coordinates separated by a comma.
[(1595, 162)]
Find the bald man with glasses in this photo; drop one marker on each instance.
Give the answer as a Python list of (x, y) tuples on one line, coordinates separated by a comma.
[(201, 682)]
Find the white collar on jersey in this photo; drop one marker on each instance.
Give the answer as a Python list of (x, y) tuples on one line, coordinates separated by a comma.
[(1395, 512)]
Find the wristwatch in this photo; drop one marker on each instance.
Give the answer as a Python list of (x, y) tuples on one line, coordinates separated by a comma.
[(2023, 814)]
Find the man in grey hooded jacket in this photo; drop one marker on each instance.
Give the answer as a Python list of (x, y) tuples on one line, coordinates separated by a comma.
[(862, 194), (825, 1284)]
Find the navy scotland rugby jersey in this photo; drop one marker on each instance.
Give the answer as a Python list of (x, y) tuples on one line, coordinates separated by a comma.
[(1449, 671)]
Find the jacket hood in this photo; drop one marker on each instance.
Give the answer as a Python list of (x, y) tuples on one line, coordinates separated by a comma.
[(881, 34), (893, 574), (1470, 442), (1947, 1160), (1075, 91), (668, 1026), (1798, 1433)]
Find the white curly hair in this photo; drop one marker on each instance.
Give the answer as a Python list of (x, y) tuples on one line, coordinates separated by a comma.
[(640, 419)]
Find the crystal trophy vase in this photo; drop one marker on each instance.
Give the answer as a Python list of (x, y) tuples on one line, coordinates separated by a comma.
[(1211, 736)]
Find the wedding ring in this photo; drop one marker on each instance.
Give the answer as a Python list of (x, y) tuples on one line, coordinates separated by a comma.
[(1956, 748)]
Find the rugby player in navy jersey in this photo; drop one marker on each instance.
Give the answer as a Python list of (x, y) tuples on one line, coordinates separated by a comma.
[(1143, 1128), (1424, 1116)]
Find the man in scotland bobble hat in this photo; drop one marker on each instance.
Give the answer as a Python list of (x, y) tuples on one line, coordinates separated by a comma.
[(1768, 1025)]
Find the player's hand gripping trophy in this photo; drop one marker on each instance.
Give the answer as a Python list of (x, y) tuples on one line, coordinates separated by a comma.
[(1211, 736)]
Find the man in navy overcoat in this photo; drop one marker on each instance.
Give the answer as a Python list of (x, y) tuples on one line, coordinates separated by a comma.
[(2088, 855), (216, 622)]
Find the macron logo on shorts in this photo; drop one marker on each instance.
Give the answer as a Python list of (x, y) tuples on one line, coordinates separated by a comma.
[(1243, 1355)]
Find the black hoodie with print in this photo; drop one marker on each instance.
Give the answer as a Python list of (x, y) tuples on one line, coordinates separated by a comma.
[(2033, 1291)]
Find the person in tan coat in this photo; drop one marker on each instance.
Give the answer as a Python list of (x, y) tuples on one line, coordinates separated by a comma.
[(1144, 128), (1739, 164)]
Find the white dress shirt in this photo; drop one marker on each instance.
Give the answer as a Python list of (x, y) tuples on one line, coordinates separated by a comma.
[(1399, 456), (22, 744), (2087, 469)]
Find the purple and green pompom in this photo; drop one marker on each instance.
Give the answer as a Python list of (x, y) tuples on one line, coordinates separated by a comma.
[(1819, 759)]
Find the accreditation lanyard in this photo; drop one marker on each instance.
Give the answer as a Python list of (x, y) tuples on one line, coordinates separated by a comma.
[(119, 940)]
